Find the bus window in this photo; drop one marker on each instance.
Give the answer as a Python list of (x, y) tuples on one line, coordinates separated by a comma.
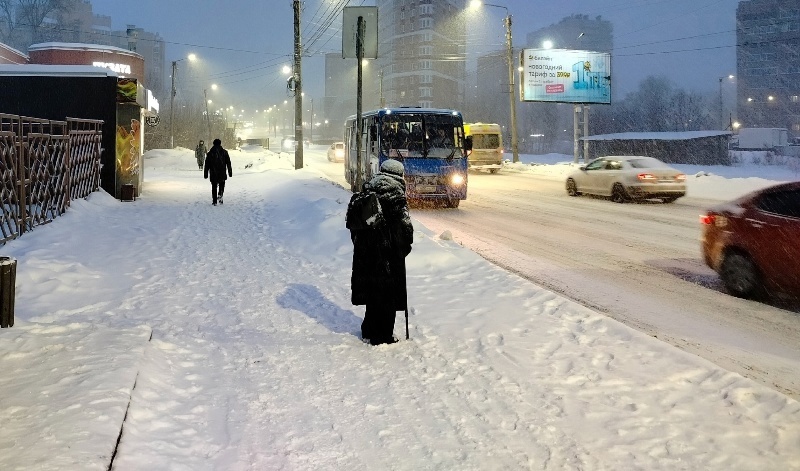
[(417, 135), (373, 139), (486, 141)]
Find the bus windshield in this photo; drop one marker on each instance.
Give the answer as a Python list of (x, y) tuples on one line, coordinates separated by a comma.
[(421, 135)]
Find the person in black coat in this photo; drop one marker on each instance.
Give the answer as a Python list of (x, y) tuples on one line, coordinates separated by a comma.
[(217, 162), (200, 154), (382, 236)]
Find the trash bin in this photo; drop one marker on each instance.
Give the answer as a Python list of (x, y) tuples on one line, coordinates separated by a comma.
[(8, 280), (127, 192)]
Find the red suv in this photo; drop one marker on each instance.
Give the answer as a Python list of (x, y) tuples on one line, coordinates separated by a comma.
[(754, 242)]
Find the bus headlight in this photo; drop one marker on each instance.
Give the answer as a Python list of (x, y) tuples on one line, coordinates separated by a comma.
[(456, 179)]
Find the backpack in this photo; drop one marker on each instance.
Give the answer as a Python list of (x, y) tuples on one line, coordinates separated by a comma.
[(364, 212)]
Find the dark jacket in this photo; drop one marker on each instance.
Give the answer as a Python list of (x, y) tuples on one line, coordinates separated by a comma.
[(217, 161), (379, 251), (200, 152)]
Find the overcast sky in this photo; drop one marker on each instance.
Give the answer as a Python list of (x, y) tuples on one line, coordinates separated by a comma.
[(242, 44)]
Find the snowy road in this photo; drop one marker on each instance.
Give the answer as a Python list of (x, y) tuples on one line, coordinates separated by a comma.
[(637, 263), (223, 338)]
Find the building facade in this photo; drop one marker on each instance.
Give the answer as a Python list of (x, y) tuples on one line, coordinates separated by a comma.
[(421, 50), (122, 61), (341, 77), (768, 64), (9, 55)]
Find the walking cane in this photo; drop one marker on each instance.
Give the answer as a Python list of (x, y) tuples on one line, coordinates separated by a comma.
[(406, 319), (404, 263)]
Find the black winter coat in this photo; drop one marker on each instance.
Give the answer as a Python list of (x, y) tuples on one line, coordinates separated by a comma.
[(379, 267), (217, 162)]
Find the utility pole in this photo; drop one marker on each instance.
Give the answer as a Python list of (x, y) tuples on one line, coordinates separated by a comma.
[(360, 165), (383, 100), (298, 91), (721, 125), (311, 129), (511, 92), (172, 108)]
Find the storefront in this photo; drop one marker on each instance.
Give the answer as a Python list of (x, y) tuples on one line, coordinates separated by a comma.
[(88, 81)]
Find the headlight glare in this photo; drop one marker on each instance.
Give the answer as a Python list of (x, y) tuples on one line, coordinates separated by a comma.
[(457, 179)]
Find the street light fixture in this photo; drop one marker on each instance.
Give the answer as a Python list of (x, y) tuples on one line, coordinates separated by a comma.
[(512, 98), (190, 57)]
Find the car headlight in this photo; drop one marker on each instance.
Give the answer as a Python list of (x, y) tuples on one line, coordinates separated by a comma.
[(457, 179)]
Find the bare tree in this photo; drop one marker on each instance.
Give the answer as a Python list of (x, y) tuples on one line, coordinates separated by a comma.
[(656, 106), (21, 16)]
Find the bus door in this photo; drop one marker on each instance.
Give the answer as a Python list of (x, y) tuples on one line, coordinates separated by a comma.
[(371, 144)]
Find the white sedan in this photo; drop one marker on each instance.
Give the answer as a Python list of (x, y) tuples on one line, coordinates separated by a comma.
[(629, 177), (336, 152)]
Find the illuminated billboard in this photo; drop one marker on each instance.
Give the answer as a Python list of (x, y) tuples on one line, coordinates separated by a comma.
[(565, 76)]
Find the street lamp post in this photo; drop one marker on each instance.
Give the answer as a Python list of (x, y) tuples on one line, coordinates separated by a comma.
[(208, 117), (512, 98), (721, 118), (191, 57)]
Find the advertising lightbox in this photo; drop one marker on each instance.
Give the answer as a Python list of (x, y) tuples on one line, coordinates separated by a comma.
[(565, 76)]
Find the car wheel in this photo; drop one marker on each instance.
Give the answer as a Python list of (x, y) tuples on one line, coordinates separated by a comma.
[(618, 194), (452, 202), (669, 200), (739, 275), (572, 188)]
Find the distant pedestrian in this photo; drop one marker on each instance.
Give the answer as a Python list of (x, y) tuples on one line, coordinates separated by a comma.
[(200, 154), (382, 234), (217, 162)]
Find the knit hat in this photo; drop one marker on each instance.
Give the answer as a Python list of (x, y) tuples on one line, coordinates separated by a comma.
[(392, 167)]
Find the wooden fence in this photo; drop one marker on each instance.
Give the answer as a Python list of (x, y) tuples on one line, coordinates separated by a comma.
[(44, 164)]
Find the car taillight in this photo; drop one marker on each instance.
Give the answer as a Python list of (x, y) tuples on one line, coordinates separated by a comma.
[(707, 219), (646, 177), (680, 177), (716, 220)]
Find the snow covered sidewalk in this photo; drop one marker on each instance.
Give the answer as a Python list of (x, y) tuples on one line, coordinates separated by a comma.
[(255, 361)]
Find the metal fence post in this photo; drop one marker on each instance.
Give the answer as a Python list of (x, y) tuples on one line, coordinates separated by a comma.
[(8, 279)]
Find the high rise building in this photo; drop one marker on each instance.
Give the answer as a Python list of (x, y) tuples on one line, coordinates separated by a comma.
[(768, 64), (340, 90), (421, 53)]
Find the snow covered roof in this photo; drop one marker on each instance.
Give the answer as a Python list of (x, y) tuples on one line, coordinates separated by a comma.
[(649, 136), (80, 47), (55, 70)]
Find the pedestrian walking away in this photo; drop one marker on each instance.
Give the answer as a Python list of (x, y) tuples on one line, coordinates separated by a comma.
[(200, 154), (382, 234), (216, 164)]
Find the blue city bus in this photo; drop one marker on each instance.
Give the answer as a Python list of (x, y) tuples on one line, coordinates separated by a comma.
[(429, 142)]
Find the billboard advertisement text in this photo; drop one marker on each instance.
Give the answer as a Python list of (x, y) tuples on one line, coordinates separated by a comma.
[(565, 76)]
